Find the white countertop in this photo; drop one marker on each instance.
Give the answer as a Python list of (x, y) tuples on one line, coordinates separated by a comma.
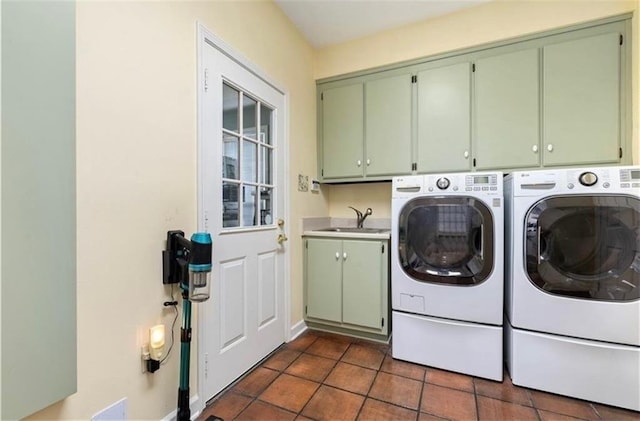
[(384, 235)]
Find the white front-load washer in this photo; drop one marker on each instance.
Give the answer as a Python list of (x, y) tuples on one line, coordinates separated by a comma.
[(572, 295), (447, 271)]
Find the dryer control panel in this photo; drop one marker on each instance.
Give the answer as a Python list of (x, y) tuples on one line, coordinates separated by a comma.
[(576, 180)]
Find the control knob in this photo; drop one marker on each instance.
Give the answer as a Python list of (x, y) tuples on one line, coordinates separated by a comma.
[(588, 178), (442, 183)]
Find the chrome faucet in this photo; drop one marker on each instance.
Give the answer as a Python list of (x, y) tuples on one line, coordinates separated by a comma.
[(361, 216)]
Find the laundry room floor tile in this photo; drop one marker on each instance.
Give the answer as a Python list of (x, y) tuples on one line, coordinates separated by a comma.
[(351, 378), (449, 379), (311, 367), (322, 376)]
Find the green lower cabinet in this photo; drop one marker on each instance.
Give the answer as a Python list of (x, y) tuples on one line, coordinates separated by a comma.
[(347, 286)]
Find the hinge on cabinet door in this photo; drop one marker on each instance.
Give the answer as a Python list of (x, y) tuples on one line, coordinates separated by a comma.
[(620, 152), (414, 166), (621, 38), (206, 80), (322, 172), (383, 322), (474, 162), (473, 67), (306, 244), (383, 248), (206, 365), (414, 79), (306, 310), (322, 97)]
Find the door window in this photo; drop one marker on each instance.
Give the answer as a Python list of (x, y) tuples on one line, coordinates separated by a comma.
[(585, 247), (446, 240), (247, 167)]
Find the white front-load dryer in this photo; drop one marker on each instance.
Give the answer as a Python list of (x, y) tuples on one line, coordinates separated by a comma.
[(447, 271), (573, 282)]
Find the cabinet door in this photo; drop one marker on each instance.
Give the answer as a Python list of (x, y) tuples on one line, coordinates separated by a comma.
[(342, 131), (362, 283), (581, 101), (324, 279), (507, 111), (444, 118), (388, 126)]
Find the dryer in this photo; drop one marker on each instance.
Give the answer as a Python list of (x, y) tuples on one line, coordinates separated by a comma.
[(447, 271), (573, 282)]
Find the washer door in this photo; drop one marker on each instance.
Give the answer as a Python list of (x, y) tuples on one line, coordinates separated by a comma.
[(585, 246), (446, 240)]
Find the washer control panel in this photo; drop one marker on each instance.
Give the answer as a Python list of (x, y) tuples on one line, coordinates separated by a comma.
[(485, 183), (630, 178)]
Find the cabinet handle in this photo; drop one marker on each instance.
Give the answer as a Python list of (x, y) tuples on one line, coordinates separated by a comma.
[(535, 148), (368, 162), (550, 147), (344, 256), (359, 162), (337, 255), (466, 154)]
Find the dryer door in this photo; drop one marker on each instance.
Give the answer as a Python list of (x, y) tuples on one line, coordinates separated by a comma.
[(585, 247), (446, 240)]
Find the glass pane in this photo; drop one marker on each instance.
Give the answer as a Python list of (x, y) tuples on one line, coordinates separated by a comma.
[(230, 208), (249, 161), (249, 117), (230, 156), (249, 206), (266, 206), (230, 104), (266, 114), (446, 240), (585, 247), (266, 155)]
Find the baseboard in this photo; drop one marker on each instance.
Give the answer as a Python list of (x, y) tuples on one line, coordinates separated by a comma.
[(297, 330), (193, 403)]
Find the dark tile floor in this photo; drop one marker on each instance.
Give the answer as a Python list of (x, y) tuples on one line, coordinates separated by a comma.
[(323, 376)]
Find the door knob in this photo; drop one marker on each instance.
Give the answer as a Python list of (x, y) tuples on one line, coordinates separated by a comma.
[(550, 148), (534, 148), (282, 238), (466, 154), (359, 162), (280, 222)]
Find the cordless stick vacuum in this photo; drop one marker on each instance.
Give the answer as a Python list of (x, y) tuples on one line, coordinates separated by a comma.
[(187, 262)]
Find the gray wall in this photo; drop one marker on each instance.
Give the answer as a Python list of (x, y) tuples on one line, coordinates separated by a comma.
[(38, 271)]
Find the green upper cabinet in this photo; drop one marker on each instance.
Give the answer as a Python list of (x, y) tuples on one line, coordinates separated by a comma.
[(581, 80), (507, 107), (388, 126), (444, 118), (560, 98), (342, 131)]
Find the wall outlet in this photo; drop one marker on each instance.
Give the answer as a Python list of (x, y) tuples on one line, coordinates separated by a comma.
[(116, 411), (315, 186), (144, 357), (303, 182)]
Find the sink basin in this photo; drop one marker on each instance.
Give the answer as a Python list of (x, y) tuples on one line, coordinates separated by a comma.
[(355, 230)]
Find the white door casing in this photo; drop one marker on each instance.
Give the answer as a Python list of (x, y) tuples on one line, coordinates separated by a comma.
[(247, 315)]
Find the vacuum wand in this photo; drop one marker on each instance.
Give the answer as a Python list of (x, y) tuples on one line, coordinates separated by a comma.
[(189, 263)]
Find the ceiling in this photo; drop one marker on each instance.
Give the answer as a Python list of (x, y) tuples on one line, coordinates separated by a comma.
[(326, 22)]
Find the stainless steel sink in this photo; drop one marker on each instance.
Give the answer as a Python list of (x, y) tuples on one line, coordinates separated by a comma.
[(355, 230)]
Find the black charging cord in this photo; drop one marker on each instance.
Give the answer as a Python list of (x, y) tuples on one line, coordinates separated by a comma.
[(173, 303)]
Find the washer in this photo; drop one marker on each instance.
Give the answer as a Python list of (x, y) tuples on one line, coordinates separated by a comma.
[(573, 282), (447, 271)]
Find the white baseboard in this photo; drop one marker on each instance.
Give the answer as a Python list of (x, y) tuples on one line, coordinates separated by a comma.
[(297, 330), (194, 403)]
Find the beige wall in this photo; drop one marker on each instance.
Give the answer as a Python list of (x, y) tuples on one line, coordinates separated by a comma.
[(490, 22), (136, 172)]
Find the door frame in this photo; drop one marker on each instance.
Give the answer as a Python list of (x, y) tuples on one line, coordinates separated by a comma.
[(207, 39)]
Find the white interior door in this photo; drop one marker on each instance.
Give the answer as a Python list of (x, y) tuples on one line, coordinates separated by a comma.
[(242, 200)]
